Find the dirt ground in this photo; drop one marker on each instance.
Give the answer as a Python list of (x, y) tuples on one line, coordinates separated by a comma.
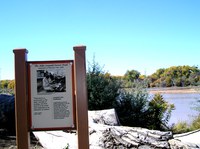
[(8, 141)]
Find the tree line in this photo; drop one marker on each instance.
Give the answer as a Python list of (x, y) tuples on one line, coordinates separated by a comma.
[(179, 76)]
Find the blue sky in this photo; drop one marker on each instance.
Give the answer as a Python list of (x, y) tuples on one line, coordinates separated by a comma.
[(143, 35)]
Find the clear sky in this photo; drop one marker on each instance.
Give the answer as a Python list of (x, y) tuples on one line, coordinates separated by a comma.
[(143, 35)]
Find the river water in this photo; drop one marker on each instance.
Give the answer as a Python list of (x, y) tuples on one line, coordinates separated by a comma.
[(184, 106)]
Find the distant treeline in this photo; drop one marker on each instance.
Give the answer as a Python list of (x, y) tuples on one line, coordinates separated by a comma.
[(7, 84), (180, 76)]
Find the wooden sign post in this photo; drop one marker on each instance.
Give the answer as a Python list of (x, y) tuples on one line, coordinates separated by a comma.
[(81, 97), (28, 76), (21, 99)]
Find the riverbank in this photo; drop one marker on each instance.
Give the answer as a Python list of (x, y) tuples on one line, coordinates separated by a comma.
[(175, 90)]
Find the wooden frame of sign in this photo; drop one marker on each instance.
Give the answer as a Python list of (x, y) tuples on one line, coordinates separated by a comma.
[(71, 112), (51, 95)]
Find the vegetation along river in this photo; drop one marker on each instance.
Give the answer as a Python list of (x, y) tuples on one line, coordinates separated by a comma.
[(184, 106)]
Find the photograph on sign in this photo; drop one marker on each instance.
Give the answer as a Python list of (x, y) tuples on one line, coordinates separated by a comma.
[(51, 95), (50, 81)]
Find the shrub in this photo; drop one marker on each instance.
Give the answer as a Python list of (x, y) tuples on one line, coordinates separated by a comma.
[(131, 107), (159, 112), (102, 88), (134, 109), (181, 127), (196, 123)]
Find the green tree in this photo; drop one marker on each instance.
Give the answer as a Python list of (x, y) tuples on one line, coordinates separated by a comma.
[(129, 78), (102, 88), (178, 82), (131, 75), (159, 112), (168, 81)]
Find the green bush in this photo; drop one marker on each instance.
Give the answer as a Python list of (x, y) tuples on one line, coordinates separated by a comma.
[(134, 109), (159, 112), (102, 88), (181, 127), (196, 123), (131, 107)]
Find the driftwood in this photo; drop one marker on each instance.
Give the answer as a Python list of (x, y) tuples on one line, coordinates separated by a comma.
[(107, 134), (128, 137)]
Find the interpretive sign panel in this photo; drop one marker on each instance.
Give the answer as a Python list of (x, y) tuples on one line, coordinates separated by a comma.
[(51, 95)]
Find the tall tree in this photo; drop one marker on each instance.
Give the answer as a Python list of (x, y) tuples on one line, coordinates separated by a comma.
[(102, 88), (131, 75)]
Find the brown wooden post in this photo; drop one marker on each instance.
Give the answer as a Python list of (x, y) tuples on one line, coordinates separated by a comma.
[(81, 97), (21, 116)]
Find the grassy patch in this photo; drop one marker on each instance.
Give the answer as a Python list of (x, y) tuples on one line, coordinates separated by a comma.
[(183, 127)]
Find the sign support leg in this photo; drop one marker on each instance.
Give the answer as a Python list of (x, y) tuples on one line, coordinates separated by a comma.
[(81, 97), (21, 115)]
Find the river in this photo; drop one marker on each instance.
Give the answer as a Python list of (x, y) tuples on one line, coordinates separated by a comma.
[(184, 106)]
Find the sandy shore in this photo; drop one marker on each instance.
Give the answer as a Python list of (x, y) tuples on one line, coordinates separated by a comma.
[(174, 90)]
